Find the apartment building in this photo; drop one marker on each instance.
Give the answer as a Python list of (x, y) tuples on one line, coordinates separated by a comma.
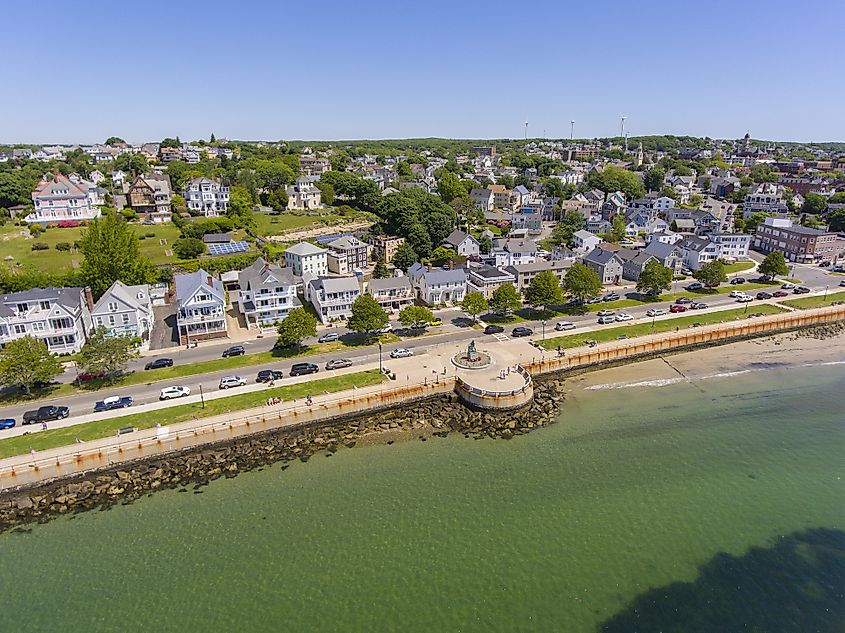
[(305, 258), (486, 279), (385, 246), (347, 254), (58, 316), (797, 243), (435, 286)]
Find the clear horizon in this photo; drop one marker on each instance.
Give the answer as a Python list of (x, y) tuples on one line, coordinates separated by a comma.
[(469, 71)]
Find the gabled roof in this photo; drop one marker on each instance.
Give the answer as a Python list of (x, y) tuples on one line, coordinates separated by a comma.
[(187, 286), (69, 298), (134, 297), (581, 234), (600, 256), (661, 250), (262, 273), (456, 238), (345, 243), (334, 285), (305, 248)]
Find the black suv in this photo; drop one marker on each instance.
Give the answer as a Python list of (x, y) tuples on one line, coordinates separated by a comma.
[(266, 375), (158, 363), (494, 329), (45, 414), (300, 369), (521, 331), (235, 350)]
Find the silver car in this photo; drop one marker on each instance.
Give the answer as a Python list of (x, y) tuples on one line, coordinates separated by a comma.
[(231, 381)]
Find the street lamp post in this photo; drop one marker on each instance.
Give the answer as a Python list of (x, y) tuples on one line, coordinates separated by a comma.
[(825, 293), (380, 370), (544, 329), (202, 397)]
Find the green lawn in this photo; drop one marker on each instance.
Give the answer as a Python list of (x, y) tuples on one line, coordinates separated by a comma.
[(16, 241), (209, 366), (645, 326), (88, 431), (806, 303), (738, 267), (278, 224)]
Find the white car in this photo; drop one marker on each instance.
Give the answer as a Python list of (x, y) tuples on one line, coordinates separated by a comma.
[(787, 286), (624, 316), (842, 283), (231, 381), (655, 312), (736, 294), (745, 299), (401, 352), (560, 326), (387, 329), (174, 392)]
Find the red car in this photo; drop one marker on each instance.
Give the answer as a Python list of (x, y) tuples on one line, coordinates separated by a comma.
[(678, 308), (780, 293)]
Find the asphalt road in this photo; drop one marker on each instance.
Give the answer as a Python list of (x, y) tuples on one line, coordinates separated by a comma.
[(456, 328)]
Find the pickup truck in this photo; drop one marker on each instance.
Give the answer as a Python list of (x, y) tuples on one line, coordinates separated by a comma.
[(45, 414), (114, 402)]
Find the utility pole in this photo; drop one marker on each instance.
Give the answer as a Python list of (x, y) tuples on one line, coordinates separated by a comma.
[(526, 130), (622, 129), (572, 129)]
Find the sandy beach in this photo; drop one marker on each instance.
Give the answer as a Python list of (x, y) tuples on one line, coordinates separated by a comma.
[(793, 349)]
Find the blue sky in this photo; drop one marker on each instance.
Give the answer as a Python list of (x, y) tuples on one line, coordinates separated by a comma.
[(345, 70)]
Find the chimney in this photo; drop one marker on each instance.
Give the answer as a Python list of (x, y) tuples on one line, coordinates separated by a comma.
[(210, 281), (89, 298)]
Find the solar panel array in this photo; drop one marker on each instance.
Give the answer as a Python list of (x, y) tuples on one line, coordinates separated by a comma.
[(232, 248)]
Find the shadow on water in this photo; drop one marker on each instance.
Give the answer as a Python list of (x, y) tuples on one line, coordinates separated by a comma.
[(796, 585)]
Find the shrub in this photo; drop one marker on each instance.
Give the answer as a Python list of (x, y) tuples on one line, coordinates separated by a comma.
[(63, 246), (188, 248), (129, 214), (150, 234), (40, 246), (142, 237)]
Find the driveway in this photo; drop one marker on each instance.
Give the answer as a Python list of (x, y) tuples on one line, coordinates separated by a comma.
[(164, 333)]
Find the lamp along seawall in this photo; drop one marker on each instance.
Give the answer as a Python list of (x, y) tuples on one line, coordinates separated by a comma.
[(100, 476)]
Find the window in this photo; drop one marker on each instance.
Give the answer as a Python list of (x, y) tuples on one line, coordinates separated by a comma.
[(112, 307), (125, 318), (45, 305), (111, 319), (19, 329)]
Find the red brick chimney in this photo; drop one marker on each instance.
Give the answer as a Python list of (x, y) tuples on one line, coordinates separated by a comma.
[(89, 298), (210, 281)]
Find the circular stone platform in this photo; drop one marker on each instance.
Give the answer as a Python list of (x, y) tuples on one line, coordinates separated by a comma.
[(479, 360), (494, 387)]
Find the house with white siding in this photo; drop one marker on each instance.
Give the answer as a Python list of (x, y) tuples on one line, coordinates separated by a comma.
[(125, 311), (200, 307), (266, 294), (58, 316)]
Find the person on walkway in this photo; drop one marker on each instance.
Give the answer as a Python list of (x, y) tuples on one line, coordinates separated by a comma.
[(44, 426), (309, 401)]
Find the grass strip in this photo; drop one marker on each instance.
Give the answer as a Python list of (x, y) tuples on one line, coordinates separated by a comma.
[(805, 303), (87, 431)]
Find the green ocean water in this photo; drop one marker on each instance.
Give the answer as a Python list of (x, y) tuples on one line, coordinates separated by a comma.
[(716, 505)]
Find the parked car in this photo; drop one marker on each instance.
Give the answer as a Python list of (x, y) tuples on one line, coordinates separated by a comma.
[(737, 280), (560, 326), (842, 283), (737, 293), (231, 381), (801, 290), (235, 350), (521, 331), (385, 330), (698, 305), (683, 300), (744, 299), (266, 375), (594, 300), (824, 264), (45, 414), (301, 369), (338, 363), (678, 308), (159, 363), (603, 313), (624, 316), (168, 393), (113, 402), (7, 423), (788, 286), (764, 295), (655, 312), (780, 293), (436, 321), (604, 320), (610, 296), (327, 337), (494, 329), (696, 285), (401, 352)]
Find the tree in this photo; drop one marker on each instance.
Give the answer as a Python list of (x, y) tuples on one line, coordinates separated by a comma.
[(836, 219), (188, 248), (449, 187), (654, 278), (569, 224), (298, 325), (442, 255), (653, 178), (367, 316), (711, 274), (278, 200), (380, 271), (405, 257), (753, 220), (814, 203), (582, 283), (614, 178), (24, 362), (773, 265), (474, 303), (327, 194), (419, 240), (107, 354), (617, 231), (415, 316), (114, 140), (111, 252), (544, 290), (485, 244), (240, 200), (505, 299)]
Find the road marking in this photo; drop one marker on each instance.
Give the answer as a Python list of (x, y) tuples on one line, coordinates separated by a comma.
[(502, 338)]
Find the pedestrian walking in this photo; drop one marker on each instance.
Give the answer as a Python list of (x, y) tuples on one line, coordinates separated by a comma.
[(44, 426)]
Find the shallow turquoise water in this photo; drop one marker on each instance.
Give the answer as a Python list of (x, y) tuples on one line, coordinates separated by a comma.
[(727, 485)]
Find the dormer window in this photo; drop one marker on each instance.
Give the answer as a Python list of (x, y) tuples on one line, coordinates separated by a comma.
[(112, 307)]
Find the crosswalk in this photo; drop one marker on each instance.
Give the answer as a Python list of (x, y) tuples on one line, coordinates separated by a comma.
[(501, 337)]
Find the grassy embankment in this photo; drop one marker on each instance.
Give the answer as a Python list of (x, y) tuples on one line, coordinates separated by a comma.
[(193, 369), (667, 325), (52, 438), (806, 303)]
